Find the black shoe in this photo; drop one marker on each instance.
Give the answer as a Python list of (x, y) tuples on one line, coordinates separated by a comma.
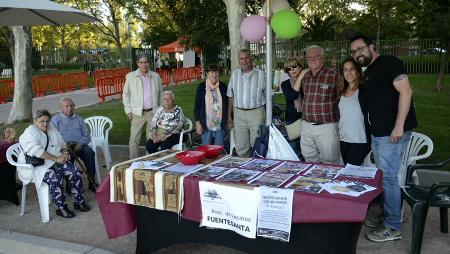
[(83, 207), (65, 213)]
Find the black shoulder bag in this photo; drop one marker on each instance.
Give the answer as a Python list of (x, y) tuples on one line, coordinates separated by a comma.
[(36, 161)]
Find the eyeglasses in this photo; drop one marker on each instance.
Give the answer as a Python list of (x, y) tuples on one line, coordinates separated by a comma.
[(358, 50), (288, 69)]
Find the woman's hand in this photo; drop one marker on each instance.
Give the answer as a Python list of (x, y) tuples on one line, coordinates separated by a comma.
[(63, 158), (198, 128)]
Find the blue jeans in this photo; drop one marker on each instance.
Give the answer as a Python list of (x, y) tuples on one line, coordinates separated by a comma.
[(388, 158), (213, 137)]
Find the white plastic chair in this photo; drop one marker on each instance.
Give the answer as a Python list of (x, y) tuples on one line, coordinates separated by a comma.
[(187, 129), (42, 192), (417, 142), (98, 126)]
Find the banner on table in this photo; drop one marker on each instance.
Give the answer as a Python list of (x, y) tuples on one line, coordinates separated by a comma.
[(229, 207)]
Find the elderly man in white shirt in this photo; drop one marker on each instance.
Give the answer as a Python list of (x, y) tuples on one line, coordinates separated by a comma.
[(142, 95), (246, 100)]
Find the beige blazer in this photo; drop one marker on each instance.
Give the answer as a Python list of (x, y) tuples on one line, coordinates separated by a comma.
[(133, 92)]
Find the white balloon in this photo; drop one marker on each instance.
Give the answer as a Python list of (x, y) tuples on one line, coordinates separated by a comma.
[(277, 5)]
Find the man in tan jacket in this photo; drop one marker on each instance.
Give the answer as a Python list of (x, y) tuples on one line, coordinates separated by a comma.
[(142, 95)]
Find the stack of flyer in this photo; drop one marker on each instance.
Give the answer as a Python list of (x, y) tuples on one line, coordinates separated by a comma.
[(350, 188)]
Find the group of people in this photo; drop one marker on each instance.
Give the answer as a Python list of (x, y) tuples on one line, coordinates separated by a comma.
[(346, 114), (343, 114), (57, 142)]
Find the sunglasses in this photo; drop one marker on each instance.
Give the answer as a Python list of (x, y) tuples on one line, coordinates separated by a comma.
[(288, 69)]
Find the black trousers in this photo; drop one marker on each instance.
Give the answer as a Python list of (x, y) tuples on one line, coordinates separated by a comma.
[(166, 144), (354, 153)]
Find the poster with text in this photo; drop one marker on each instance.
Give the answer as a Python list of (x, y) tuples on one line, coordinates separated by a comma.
[(229, 207), (275, 213)]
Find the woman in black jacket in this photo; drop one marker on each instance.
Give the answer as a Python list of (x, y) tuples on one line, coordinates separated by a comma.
[(210, 108)]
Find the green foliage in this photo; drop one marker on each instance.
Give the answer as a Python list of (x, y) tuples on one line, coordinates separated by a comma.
[(318, 29)]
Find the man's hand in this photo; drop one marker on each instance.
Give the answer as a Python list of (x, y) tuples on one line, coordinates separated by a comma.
[(130, 116), (396, 134), (230, 123), (77, 148), (198, 128)]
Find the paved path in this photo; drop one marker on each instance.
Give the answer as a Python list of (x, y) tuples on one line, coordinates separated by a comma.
[(82, 98)]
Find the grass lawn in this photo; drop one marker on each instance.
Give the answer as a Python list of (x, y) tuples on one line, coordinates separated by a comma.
[(432, 107)]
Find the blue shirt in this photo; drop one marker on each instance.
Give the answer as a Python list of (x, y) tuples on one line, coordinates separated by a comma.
[(73, 129)]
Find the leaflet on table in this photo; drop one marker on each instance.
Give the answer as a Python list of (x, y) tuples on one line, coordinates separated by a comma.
[(238, 174), (229, 207), (153, 165), (259, 164), (307, 184), (291, 167), (323, 171), (359, 171), (232, 162), (271, 179), (180, 168), (275, 213), (350, 188), (210, 172)]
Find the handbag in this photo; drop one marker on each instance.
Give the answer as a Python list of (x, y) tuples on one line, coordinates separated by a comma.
[(36, 161), (261, 142), (294, 129)]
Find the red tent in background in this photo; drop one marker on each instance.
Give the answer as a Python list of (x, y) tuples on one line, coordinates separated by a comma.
[(175, 47)]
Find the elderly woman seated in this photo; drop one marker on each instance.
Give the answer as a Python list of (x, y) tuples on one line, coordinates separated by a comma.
[(167, 124), (44, 147)]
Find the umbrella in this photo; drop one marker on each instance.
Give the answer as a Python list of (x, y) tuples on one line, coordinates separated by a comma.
[(39, 12)]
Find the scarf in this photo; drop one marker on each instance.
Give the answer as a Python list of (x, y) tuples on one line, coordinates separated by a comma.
[(213, 108), (298, 101)]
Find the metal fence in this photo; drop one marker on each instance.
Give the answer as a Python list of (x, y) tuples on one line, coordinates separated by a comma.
[(69, 60), (419, 56)]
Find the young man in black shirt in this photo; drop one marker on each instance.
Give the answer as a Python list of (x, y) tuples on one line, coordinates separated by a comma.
[(388, 96)]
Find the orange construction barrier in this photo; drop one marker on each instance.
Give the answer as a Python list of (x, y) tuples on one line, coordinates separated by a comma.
[(198, 72), (177, 75), (73, 81), (46, 84), (6, 90), (109, 86), (110, 73), (191, 73), (165, 76)]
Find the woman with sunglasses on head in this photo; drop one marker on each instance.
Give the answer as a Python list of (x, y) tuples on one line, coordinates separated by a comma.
[(353, 124), (292, 94)]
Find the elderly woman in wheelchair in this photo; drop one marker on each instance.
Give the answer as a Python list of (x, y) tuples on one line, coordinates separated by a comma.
[(45, 149)]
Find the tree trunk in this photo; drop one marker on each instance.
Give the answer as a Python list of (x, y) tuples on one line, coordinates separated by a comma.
[(10, 36), (235, 15), (23, 96), (444, 64)]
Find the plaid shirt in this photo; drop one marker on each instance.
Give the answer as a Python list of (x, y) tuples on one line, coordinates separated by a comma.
[(320, 103)]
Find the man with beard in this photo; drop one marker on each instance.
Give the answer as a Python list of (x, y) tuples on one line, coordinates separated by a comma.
[(246, 100), (388, 97)]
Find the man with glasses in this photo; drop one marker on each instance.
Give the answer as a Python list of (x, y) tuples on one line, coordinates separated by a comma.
[(246, 100), (388, 97), (320, 139), (142, 95)]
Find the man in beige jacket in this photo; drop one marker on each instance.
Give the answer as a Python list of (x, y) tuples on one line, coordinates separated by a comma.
[(142, 95)]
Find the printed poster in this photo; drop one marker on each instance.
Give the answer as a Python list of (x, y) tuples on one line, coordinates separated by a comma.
[(229, 207)]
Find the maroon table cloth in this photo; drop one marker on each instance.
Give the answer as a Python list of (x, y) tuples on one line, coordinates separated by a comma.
[(307, 207)]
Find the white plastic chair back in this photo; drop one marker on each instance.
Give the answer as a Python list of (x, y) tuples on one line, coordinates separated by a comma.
[(12, 155), (99, 127), (187, 128), (417, 143)]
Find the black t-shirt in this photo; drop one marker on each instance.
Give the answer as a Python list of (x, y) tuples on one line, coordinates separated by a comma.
[(382, 97)]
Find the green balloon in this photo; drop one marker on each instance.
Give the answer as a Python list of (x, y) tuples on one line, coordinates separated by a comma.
[(286, 24)]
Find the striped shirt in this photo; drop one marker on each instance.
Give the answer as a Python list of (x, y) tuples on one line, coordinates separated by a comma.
[(247, 89), (320, 96)]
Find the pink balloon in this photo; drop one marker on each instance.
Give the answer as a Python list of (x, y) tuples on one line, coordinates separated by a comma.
[(253, 28)]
